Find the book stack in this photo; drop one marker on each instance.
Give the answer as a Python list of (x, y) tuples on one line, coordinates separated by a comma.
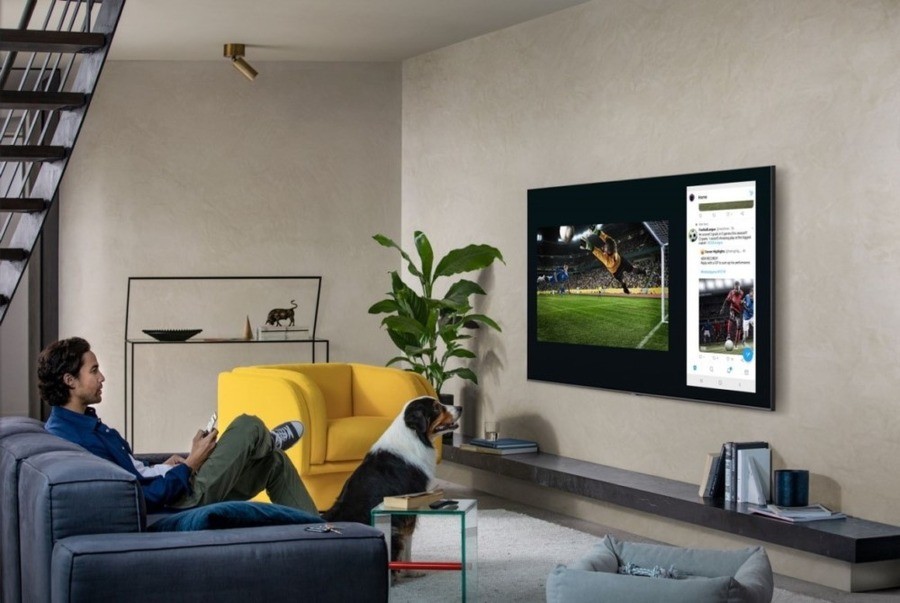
[(739, 473), (273, 333), (502, 446), (797, 514), (415, 500)]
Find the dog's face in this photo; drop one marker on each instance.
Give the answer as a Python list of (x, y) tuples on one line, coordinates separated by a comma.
[(429, 418)]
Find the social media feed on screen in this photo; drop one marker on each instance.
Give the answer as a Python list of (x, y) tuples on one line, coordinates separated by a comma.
[(603, 284), (721, 276)]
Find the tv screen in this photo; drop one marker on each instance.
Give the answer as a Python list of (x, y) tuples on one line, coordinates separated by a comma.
[(660, 286)]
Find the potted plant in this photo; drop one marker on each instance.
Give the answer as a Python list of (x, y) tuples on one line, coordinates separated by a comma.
[(430, 331)]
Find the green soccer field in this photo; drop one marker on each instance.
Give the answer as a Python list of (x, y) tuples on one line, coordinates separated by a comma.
[(620, 322)]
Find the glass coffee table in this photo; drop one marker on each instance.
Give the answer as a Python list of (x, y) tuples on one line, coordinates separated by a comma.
[(467, 515)]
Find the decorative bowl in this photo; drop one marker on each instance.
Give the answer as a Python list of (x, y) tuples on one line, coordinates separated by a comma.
[(172, 334)]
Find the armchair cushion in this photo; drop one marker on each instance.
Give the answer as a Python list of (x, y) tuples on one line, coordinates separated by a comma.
[(351, 438), (232, 514)]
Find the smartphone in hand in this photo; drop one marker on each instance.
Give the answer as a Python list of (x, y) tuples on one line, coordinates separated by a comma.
[(213, 421)]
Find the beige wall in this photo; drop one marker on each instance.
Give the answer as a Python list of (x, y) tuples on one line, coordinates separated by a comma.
[(619, 89), (189, 169)]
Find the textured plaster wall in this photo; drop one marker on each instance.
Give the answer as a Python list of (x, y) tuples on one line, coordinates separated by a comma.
[(189, 169), (618, 89)]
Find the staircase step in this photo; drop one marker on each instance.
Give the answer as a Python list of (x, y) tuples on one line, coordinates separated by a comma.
[(13, 255), (31, 40), (46, 101), (22, 204), (19, 153)]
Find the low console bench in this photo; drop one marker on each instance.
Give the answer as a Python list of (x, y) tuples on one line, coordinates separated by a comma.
[(853, 541)]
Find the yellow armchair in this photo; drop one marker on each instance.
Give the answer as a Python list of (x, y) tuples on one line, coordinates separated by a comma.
[(344, 407)]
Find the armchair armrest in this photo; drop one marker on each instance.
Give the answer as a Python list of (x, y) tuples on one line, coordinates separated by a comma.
[(237, 565), (277, 396)]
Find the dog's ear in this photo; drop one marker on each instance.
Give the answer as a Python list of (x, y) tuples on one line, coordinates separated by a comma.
[(416, 419)]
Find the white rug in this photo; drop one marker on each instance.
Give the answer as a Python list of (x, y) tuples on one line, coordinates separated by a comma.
[(515, 555)]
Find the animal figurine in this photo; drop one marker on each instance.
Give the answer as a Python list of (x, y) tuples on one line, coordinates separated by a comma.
[(276, 315)]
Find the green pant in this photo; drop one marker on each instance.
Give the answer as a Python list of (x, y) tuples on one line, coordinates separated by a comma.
[(243, 464)]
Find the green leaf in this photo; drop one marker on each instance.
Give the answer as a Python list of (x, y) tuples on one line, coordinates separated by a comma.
[(426, 254), (460, 291), (466, 259), (460, 353), (404, 324), (384, 306), (463, 373), (481, 318)]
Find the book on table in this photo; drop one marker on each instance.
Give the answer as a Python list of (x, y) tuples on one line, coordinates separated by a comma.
[(414, 500), (498, 451), (503, 443), (797, 514)]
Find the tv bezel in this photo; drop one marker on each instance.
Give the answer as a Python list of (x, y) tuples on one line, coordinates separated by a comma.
[(645, 372)]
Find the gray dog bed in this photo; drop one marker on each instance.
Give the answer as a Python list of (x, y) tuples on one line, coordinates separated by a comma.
[(618, 571)]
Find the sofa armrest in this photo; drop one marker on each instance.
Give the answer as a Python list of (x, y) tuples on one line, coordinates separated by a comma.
[(273, 563), (68, 493)]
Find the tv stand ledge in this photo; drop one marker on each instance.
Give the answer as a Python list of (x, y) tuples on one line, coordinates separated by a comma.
[(851, 540)]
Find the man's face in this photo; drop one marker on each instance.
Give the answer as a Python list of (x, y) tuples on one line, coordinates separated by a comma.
[(87, 385)]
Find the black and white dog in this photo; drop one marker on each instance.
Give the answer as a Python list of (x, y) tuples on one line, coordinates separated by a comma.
[(402, 461)]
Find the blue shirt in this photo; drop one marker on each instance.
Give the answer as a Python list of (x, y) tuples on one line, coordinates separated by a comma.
[(88, 431), (748, 307)]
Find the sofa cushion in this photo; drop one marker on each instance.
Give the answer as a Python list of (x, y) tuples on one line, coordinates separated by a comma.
[(232, 514), (351, 438)]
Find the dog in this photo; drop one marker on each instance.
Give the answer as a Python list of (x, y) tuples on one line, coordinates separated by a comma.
[(276, 315), (402, 461)]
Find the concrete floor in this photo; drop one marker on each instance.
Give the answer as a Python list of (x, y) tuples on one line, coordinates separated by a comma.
[(489, 501)]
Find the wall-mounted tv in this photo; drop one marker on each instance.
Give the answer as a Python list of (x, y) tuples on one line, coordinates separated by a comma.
[(661, 286)]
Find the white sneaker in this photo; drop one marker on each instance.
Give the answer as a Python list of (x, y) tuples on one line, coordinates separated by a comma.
[(287, 434)]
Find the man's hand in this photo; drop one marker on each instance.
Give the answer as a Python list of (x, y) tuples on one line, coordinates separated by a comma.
[(201, 447), (174, 460)]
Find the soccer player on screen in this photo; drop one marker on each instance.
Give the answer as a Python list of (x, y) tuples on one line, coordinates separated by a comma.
[(559, 276), (748, 315), (734, 303), (606, 250)]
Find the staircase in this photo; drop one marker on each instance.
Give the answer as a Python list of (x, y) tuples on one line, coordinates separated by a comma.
[(50, 67)]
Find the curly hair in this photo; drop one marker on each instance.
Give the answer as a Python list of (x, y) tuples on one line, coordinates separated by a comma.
[(56, 360)]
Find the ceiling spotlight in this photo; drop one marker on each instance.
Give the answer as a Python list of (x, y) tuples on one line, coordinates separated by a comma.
[(235, 52)]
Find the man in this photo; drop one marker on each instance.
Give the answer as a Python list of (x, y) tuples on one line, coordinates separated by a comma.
[(606, 250), (246, 460), (559, 276), (734, 303), (748, 317)]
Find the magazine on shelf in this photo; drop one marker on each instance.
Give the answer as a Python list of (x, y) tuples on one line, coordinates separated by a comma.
[(796, 514), (503, 443), (498, 451)]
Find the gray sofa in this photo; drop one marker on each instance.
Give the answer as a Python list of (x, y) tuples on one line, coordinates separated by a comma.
[(72, 528)]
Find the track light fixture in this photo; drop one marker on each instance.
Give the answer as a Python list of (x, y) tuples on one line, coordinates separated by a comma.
[(235, 52)]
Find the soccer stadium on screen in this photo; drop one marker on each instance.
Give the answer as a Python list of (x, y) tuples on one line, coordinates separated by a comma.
[(604, 285)]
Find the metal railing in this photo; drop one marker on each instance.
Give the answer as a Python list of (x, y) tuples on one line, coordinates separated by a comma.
[(36, 72)]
